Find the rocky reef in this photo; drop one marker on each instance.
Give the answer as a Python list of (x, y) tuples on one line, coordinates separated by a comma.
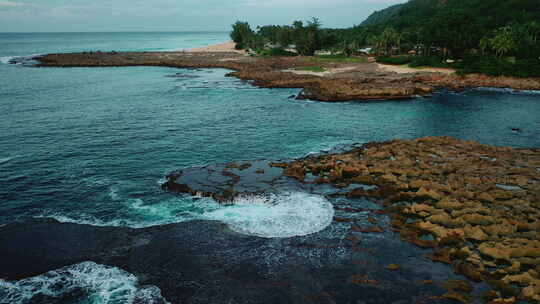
[(347, 81), (476, 207)]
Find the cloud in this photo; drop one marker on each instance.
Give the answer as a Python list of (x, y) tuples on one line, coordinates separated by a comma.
[(134, 15), (15, 8), (12, 4), (313, 3)]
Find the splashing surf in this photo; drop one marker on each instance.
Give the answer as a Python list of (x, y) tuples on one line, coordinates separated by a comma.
[(87, 281), (280, 215)]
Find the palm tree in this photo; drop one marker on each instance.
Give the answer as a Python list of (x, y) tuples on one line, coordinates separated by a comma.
[(242, 34), (485, 44), (503, 42)]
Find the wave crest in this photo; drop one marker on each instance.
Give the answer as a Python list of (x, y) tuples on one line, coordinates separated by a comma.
[(90, 281)]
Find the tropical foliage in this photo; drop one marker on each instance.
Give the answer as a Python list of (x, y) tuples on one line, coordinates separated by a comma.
[(505, 33), (305, 37)]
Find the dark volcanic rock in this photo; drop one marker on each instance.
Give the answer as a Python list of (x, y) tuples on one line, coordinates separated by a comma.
[(224, 182)]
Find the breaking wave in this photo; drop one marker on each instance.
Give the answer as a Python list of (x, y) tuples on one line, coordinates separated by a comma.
[(140, 215), (6, 59), (17, 59), (508, 90), (270, 216), (86, 282)]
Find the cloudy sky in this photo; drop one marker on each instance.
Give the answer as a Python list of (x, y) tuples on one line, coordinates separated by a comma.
[(175, 15)]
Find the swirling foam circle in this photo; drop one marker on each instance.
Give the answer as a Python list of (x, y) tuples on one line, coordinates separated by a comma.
[(276, 215)]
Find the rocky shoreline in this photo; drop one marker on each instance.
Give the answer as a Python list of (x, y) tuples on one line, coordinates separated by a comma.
[(350, 81), (471, 206), (475, 206)]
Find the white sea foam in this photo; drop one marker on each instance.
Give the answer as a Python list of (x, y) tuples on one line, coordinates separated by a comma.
[(142, 215), (269, 216), (277, 215), (86, 219), (6, 59), (113, 193), (99, 284), (508, 90), (161, 181)]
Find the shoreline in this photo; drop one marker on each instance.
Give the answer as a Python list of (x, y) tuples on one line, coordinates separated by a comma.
[(224, 47), (474, 207), (340, 81)]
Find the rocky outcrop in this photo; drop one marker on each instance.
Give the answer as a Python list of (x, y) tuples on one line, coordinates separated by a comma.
[(479, 203), (344, 90), (456, 82), (475, 205), (353, 81)]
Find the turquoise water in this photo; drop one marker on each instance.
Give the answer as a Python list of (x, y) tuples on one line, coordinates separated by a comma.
[(26, 44), (91, 145)]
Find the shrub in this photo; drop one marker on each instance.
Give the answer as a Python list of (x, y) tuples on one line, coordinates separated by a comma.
[(399, 60), (428, 61), (277, 52), (494, 66)]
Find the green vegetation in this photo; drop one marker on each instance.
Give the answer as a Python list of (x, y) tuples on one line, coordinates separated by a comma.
[(306, 37), (397, 60), (499, 67), (338, 58), (241, 35), (431, 31), (431, 61), (316, 69), (415, 61)]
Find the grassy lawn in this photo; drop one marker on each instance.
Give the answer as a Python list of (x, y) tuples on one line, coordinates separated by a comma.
[(317, 69), (337, 59)]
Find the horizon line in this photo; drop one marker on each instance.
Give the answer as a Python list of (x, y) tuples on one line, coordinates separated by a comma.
[(83, 32)]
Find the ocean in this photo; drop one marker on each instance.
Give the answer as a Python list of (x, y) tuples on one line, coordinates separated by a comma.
[(92, 145)]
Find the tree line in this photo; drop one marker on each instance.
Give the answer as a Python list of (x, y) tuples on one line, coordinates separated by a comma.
[(451, 36), (305, 37), (496, 30)]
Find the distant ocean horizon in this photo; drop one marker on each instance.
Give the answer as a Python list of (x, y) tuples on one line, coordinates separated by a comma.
[(27, 44)]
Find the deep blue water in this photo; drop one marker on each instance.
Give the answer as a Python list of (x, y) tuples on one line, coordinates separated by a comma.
[(91, 145)]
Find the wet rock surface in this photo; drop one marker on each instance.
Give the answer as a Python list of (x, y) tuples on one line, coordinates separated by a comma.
[(474, 207), (352, 81)]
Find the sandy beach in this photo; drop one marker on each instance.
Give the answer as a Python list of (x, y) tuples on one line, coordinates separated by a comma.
[(403, 69), (226, 47)]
